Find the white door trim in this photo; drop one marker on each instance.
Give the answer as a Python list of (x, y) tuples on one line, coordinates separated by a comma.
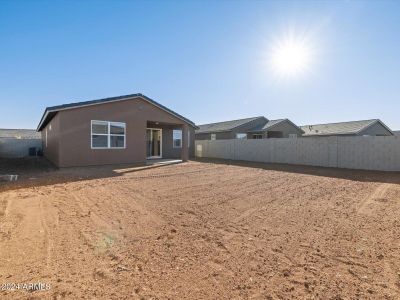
[(151, 130)]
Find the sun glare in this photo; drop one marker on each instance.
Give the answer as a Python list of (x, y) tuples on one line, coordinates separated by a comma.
[(291, 57)]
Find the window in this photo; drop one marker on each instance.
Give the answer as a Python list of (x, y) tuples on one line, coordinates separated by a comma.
[(46, 137), (257, 136), (241, 136), (177, 138), (213, 136), (108, 135), (292, 135)]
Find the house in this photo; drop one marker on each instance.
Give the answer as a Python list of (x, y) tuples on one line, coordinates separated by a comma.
[(373, 127), (282, 128), (123, 129), (396, 133), (249, 128)]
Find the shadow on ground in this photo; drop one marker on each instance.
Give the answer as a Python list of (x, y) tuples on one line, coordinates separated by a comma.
[(356, 175), (37, 171), (34, 172)]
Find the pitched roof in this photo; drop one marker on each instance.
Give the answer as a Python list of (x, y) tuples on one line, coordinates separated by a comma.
[(342, 128), (50, 112), (20, 134), (224, 126), (271, 123)]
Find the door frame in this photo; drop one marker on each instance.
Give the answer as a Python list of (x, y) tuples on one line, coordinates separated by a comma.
[(160, 130)]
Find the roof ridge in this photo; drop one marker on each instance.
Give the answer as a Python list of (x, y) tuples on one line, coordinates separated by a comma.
[(232, 120), (95, 100), (370, 120), (282, 119)]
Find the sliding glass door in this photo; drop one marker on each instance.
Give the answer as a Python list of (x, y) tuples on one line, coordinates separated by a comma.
[(154, 143)]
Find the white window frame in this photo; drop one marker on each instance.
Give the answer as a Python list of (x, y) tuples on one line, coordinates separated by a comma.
[(108, 134), (173, 139), (188, 139), (244, 138), (213, 137)]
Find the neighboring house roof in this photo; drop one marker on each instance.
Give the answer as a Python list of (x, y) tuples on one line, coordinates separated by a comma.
[(50, 112), (342, 128), (224, 126), (272, 123), (20, 134)]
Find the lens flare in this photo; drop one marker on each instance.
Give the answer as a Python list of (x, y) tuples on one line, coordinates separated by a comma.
[(291, 56)]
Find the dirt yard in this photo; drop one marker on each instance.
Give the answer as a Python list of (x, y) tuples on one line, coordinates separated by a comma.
[(202, 230)]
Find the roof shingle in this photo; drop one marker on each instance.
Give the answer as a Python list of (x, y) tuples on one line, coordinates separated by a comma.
[(268, 125), (224, 126), (342, 128), (51, 111)]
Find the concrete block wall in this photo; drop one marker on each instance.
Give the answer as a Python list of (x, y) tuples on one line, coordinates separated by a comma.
[(368, 153), (15, 148)]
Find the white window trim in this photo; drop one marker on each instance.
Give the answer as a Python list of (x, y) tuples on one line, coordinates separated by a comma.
[(173, 139), (109, 135), (244, 138), (213, 135)]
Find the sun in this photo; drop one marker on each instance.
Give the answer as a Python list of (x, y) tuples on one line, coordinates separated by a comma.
[(291, 57)]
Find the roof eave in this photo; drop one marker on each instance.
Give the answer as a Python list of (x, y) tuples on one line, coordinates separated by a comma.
[(151, 101)]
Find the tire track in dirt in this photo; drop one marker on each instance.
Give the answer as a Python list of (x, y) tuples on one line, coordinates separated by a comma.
[(222, 232), (368, 205), (47, 237)]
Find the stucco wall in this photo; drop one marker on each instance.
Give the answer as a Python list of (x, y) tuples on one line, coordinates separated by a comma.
[(74, 133), (369, 153), (51, 147), (167, 138)]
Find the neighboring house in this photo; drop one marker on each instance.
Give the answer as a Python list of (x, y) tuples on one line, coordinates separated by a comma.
[(396, 133), (282, 128), (250, 128), (373, 127), (15, 143), (124, 129)]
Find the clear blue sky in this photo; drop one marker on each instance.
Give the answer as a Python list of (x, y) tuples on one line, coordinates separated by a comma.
[(205, 60)]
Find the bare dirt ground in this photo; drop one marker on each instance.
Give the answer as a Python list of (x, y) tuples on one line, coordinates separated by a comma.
[(201, 230)]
